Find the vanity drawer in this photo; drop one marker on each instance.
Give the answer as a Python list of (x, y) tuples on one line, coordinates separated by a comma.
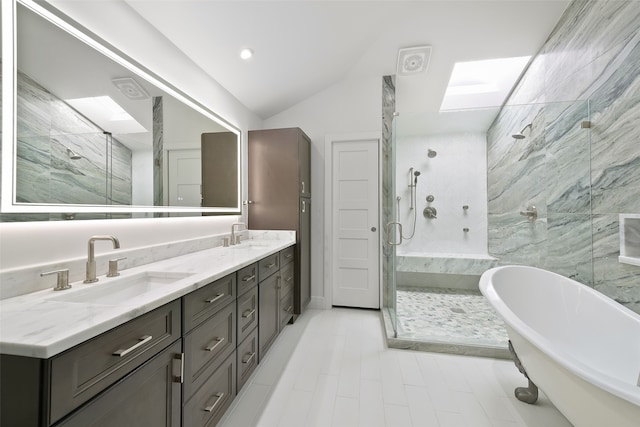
[(287, 274), (202, 303), (287, 255), (89, 368), (247, 355), (286, 309), (209, 403), (267, 266), (247, 278), (247, 313), (207, 346)]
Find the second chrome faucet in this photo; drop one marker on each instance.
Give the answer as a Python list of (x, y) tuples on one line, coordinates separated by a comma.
[(91, 259)]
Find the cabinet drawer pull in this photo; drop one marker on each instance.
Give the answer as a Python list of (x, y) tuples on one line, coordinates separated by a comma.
[(287, 256), (288, 279), (214, 299), (248, 278), (248, 359), (219, 397), (248, 313), (214, 344), (270, 266), (289, 309), (142, 341)]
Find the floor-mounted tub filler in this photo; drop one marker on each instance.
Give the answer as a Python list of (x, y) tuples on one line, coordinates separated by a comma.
[(580, 347)]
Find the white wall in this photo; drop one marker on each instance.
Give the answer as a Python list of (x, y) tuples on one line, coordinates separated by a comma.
[(352, 105), (456, 177), (29, 243)]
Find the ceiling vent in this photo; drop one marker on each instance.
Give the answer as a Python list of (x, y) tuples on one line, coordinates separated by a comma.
[(413, 60), (130, 88)]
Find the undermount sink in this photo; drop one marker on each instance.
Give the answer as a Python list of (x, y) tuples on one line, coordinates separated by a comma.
[(250, 244), (119, 290)]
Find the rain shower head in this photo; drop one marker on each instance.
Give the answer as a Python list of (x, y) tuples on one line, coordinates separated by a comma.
[(73, 155), (520, 135)]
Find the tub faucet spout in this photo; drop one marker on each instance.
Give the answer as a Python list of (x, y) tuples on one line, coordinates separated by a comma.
[(91, 259)]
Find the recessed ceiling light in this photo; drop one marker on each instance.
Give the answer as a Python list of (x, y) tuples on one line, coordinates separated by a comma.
[(246, 53)]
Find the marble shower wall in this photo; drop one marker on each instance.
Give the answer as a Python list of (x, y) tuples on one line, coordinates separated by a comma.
[(579, 179), (46, 128), (387, 182)]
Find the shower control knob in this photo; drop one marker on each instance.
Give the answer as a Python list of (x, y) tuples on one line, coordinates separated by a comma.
[(430, 212), (373, 229), (430, 198)]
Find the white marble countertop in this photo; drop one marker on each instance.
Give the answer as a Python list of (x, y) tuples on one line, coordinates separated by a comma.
[(38, 325)]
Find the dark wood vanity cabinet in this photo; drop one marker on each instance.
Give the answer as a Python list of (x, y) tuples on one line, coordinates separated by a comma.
[(279, 184), (276, 295), (148, 347), (178, 365), (149, 396)]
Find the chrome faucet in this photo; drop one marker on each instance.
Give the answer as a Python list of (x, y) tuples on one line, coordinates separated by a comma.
[(91, 259), (235, 240)]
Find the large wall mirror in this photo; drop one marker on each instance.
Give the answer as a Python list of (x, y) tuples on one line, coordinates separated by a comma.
[(87, 132)]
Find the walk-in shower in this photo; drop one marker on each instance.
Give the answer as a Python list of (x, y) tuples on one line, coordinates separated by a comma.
[(432, 296)]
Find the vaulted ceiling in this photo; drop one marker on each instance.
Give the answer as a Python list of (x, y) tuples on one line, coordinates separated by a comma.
[(304, 46)]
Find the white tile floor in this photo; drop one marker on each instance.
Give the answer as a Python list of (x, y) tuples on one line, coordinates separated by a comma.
[(332, 368)]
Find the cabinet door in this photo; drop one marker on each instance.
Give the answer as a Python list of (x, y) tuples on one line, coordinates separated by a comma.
[(303, 269), (268, 311), (304, 164), (147, 397)]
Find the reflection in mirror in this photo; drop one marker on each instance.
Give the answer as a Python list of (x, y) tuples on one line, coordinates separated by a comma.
[(94, 136)]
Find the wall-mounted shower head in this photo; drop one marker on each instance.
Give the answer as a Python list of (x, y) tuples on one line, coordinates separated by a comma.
[(416, 174), (431, 153), (520, 135), (72, 154)]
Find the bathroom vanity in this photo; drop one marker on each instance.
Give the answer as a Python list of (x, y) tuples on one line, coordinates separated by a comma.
[(174, 355)]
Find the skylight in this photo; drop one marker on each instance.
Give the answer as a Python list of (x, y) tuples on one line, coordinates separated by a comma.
[(107, 114), (480, 84)]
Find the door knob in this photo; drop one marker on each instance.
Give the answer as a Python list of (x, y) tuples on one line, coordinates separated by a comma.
[(373, 229)]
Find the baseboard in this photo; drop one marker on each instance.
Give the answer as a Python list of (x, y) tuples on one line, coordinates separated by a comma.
[(317, 303)]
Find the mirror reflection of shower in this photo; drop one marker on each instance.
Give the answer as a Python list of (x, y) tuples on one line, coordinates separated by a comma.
[(413, 185)]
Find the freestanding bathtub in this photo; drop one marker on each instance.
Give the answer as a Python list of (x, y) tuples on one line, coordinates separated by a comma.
[(580, 347)]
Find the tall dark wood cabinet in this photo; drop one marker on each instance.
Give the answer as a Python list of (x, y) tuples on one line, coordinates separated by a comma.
[(280, 194)]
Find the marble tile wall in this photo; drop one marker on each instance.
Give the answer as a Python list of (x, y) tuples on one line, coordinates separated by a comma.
[(387, 161), (579, 179), (46, 128)]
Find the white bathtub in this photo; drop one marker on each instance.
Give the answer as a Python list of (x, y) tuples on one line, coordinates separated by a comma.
[(580, 347)]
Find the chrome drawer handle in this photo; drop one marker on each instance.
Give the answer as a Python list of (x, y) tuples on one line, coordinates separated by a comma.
[(214, 299), (287, 256), (288, 279), (289, 309), (248, 359), (248, 313), (270, 266), (213, 346), (248, 278), (123, 352), (219, 397)]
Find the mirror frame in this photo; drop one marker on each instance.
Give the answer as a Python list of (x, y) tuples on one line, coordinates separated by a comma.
[(8, 202)]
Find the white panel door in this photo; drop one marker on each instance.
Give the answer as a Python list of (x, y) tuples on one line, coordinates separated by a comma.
[(185, 177), (354, 238)]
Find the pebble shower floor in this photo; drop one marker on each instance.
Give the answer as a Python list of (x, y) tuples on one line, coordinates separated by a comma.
[(449, 315)]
